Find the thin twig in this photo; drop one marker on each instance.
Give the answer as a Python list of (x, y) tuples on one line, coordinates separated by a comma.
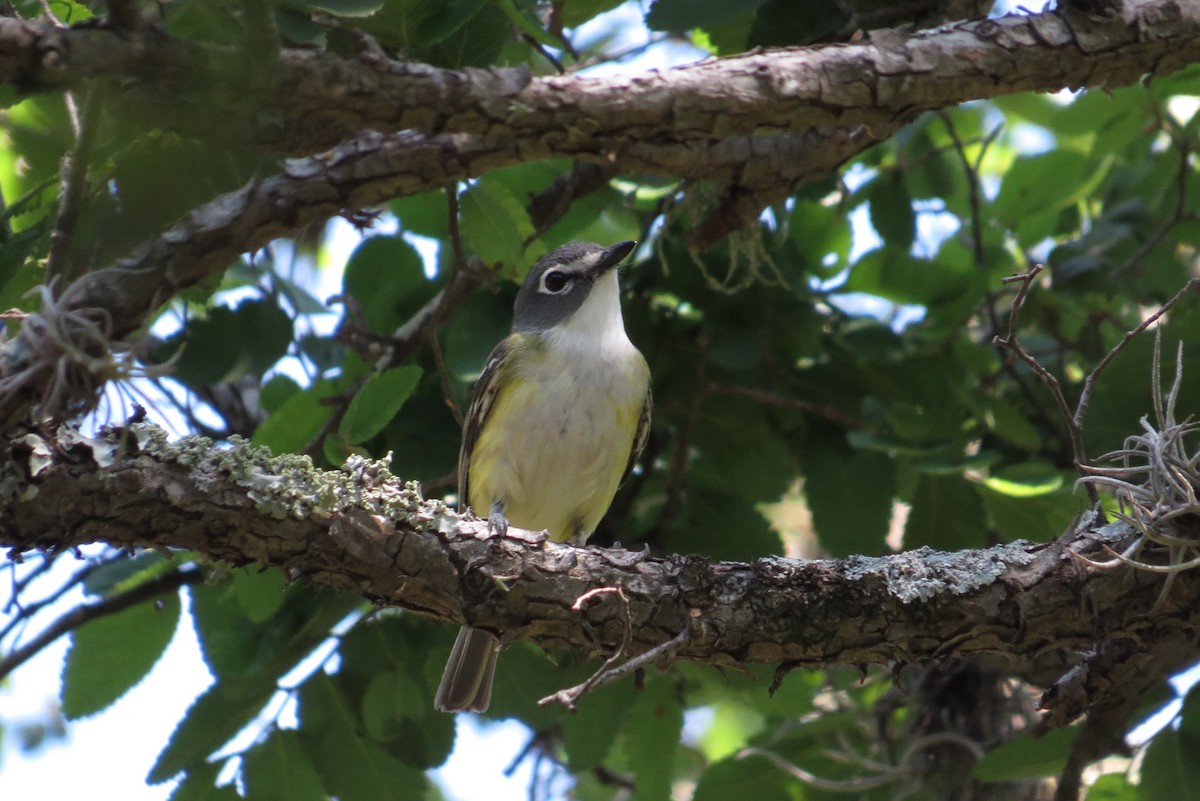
[(972, 174), (823, 410), (974, 196), (683, 444), (1178, 215), (544, 53), (594, 680), (1089, 383), (1013, 344), (447, 381), (88, 612), (73, 187), (570, 696), (25, 612)]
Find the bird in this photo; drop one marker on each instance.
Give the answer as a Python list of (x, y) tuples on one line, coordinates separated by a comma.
[(556, 421)]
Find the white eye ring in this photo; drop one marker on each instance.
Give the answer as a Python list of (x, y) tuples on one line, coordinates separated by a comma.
[(555, 282)]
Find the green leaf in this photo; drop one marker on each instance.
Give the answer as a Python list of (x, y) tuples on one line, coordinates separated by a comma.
[(279, 770), (1026, 480), (752, 778), (386, 278), (294, 424), (119, 572), (683, 15), (200, 784), (652, 738), (424, 214), (589, 734), (1027, 757), (475, 43), (1171, 769), (344, 8), (211, 721), (780, 23), (946, 515), (231, 343), (276, 391), (821, 238), (1006, 421), (850, 494), (378, 402), (494, 225), (1040, 518), (896, 275), (260, 594), (578, 12), (351, 766), (528, 25), (1112, 787), (383, 705), (1034, 186), (891, 209), (235, 645), (454, 15), (111, 654)]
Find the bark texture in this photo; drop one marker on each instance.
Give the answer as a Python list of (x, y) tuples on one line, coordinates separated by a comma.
[(362, 530)]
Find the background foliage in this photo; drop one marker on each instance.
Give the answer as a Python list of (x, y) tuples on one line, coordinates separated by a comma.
[(825, 383)]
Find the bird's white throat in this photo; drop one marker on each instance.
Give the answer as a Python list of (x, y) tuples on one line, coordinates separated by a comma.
[(597, 325)]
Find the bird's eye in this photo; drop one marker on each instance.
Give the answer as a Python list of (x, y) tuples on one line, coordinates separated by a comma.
[(554, 282)]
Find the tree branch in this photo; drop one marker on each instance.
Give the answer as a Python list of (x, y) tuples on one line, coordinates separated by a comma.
[(362, 530), (317, 99)]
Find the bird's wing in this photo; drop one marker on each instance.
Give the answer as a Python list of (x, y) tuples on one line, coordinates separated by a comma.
[(483, 395), (641, 435)]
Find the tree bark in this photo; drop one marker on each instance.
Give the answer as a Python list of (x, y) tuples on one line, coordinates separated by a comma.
[(309, 101), (364, 531)]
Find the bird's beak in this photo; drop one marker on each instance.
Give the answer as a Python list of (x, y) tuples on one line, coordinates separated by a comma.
[(612, 257)]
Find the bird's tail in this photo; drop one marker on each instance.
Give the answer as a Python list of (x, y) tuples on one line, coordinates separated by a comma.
[(467, 681)]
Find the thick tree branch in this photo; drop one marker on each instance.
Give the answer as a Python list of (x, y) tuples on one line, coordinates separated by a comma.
[(363, 531), (363, 172), (316, 99)]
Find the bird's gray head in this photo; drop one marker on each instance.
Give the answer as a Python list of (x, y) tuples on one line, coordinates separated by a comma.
[(561, 281)]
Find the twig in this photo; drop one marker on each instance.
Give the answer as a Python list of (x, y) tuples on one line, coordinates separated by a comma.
[(823, 410), (974, 193), (1013, 344), (886, 773), (73, 186), (609, 671), (25, 612), (447, 381), (548, 206), (1089, 383), (452, 228), (1177, 216), (683, 443), (972, 174), (109, 606), (595, 678), (544, 53)]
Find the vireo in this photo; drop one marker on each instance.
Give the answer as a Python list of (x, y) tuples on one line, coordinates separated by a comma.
[(556, 421)]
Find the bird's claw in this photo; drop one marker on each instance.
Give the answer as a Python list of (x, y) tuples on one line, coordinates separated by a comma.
[(497, 523)]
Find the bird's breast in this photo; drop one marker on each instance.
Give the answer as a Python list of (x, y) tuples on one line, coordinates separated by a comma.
[(558, 437)]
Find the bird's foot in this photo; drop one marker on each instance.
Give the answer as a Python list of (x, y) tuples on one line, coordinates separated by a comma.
[(497, 522)]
